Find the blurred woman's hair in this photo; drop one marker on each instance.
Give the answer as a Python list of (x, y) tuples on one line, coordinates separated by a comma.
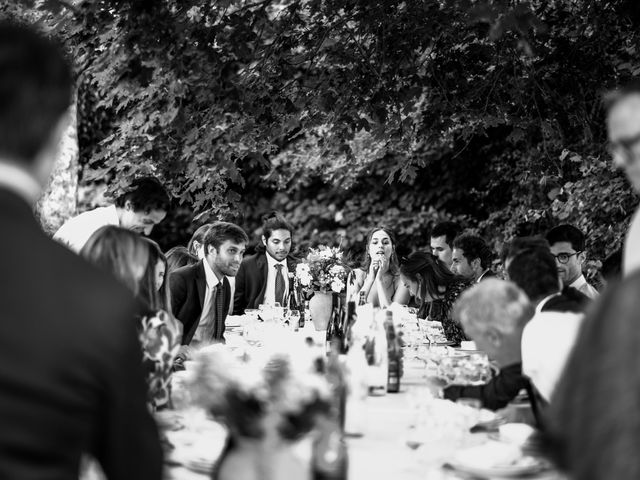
[(594, 417), (429, 272), (394, 265), (128, 257), (161, 301), (179, 257)]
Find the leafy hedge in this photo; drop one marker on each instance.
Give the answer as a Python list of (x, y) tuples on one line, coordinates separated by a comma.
[(347, 114)]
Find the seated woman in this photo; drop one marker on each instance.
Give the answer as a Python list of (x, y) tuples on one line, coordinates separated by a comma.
[(433, 284), (592, 420), (134, 261), (379, 278), (178, 257)]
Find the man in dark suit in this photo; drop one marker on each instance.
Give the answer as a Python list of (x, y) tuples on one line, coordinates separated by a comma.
[(471, 258), (494, 314), (200, 293), (71, 377), (263, 278)]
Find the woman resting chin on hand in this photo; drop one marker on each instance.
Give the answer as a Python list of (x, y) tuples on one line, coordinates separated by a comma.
[(379, 275)]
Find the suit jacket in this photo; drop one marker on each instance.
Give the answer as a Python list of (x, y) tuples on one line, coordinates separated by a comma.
[(495, 394), (188, 287), (251, 281), (71, 375), (486, 274)]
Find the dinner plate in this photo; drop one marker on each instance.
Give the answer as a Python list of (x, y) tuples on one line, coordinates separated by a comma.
[(495, 460), (528, 466)]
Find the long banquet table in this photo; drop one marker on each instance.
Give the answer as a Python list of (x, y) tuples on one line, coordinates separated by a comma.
[(385, 448)]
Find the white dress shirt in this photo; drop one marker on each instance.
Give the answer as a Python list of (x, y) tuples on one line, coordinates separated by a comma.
[(547, 342), (208, 303), (581, 285), (77, 230), (270, 292), (631, 252)]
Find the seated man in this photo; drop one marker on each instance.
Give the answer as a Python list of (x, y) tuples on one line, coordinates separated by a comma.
[(471, 258), (442, 237), (567, 245), (493, 314), (548, 338), (200, 293), (263, 278), (140, 208)]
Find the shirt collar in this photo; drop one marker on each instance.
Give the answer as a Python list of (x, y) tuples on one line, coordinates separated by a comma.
[(542, 302), (20, 181), (272, 262), (579, 282), (212, 279)]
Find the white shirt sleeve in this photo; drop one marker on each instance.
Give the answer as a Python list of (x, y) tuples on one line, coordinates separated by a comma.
[(547, 342)]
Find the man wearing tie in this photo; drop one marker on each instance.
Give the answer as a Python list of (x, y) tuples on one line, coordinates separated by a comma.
[(200, 293), (264, 278)]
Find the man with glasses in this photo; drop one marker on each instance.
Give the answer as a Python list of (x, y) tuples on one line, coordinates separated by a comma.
[(623, 126), (567, 246)]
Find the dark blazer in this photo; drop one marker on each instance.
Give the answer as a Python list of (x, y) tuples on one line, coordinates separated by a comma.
[(71, 376), (188, 287), (495, 394), (251, 281), (487, 274)]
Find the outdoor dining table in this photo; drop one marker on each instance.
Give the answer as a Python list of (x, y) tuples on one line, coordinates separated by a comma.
[(391, 445)]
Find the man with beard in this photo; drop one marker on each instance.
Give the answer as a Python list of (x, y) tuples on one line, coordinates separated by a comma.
[(442, 236), (263, 278), (200, 293)]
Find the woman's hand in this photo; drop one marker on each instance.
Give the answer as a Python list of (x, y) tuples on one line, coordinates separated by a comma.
[(382, 263)]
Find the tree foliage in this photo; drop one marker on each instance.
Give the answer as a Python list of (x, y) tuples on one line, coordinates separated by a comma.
[(347, 114)]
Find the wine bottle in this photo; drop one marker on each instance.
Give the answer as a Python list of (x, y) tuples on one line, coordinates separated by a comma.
[(350, 319), (394, 355), (329, 458), (334, 328), (362, 299)]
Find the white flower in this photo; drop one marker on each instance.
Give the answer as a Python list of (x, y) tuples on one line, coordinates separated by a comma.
[(336, 270), (337, 286)]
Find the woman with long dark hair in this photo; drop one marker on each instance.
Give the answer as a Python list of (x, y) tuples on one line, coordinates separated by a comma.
[(436, 288), (378, 278), (134, 260)]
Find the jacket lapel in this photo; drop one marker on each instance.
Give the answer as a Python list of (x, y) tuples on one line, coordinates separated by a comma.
[(201, 283), (263, 272)]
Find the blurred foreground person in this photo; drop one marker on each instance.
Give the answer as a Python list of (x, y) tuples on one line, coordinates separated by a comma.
[(436, 288), (142, 206), (593, 418), (133, 260), (71, 377), (379, 276), (623, 128), (493, 314)]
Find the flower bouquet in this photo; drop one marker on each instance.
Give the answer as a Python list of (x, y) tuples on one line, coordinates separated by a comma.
[(321, 274), (322, 271), (269, 400)]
